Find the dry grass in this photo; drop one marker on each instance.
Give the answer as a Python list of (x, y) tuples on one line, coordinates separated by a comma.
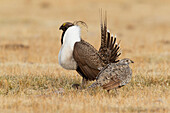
[(31, 79)]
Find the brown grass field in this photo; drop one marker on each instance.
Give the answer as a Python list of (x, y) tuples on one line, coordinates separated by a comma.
[(32, 81)]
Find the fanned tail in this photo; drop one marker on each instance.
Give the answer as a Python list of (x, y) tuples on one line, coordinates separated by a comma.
[(103, 35), (109, 50)]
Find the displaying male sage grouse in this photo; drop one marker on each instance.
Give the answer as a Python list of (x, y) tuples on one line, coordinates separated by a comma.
[(114, 75), (77, 54)]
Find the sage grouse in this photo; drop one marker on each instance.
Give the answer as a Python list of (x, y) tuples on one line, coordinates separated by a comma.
[(114, 75), (77, 54)]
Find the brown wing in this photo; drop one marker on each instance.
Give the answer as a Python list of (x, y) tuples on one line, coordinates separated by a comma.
[(111, 85), (109, 51), (87, 59)]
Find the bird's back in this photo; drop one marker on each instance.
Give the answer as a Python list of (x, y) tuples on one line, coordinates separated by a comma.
[(113, 75)]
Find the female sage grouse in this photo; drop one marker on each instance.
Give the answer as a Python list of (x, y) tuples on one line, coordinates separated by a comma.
[(77, 54), (114, 75)]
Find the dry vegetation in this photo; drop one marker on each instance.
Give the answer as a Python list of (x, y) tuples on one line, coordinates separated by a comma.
[(31, 79)]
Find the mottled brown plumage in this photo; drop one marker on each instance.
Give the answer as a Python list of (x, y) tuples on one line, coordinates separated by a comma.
[(114, 75), (89, 60)]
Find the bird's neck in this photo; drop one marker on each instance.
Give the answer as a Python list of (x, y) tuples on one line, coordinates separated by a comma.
[(72, 35), (62, 37)]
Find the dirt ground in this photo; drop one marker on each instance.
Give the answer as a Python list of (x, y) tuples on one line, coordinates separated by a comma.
[(31, 80)]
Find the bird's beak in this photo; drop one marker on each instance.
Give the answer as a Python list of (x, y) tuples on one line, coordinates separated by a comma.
[(61, 27)]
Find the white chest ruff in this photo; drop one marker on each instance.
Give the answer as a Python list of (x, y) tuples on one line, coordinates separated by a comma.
[(65, 57)]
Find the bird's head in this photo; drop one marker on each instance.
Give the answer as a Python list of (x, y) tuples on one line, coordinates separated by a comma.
[(126, 61), (65, 26)]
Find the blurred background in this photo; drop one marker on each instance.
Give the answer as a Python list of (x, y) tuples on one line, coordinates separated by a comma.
[(30, 42), (29, 29)]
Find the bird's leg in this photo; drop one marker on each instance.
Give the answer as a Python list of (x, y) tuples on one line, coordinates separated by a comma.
[(116, 92), (84, 83)]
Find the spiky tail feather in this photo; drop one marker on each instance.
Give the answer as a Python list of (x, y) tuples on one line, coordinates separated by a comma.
[(109, 49)]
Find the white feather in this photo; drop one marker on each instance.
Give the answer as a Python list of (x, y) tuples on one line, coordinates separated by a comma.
[(65, 57), (115, 36)]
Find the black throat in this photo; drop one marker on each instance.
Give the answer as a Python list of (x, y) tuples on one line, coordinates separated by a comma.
[(62, 37)]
